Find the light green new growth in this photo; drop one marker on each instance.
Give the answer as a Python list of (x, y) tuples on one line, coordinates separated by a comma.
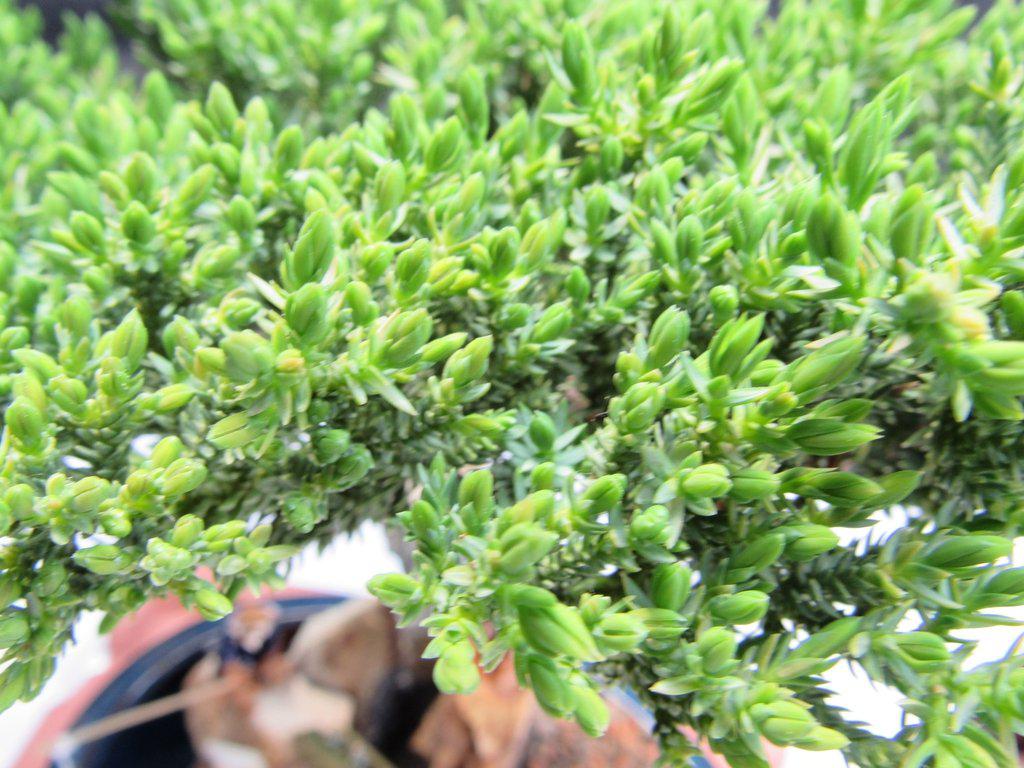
[(637, 309)]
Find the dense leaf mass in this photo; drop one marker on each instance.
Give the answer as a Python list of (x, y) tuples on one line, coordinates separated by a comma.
[(643, 312)]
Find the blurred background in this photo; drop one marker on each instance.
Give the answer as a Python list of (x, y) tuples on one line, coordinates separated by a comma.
[(343, 569)]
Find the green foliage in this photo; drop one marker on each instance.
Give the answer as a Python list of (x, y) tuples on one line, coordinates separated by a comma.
[(626, 312)]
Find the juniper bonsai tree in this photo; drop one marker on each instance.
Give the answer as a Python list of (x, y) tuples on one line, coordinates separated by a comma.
[(635, 316)]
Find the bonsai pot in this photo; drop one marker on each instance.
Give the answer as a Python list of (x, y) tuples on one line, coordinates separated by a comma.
[(156, 673), (168, 741)]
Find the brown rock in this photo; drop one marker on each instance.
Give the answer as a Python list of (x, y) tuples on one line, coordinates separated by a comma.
[(488, 728), (500, 726)]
